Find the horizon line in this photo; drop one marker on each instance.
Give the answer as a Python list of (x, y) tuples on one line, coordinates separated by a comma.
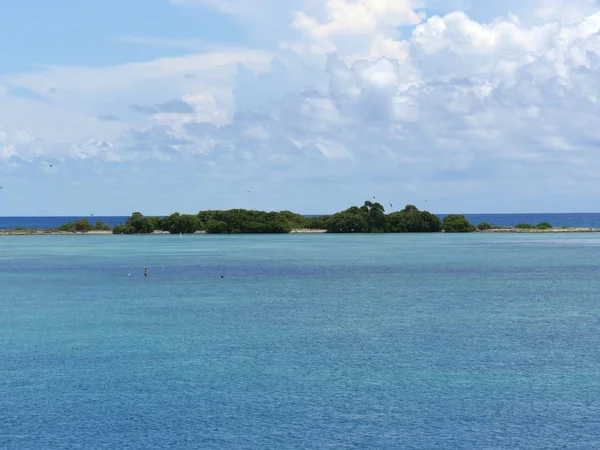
[(86, 216)]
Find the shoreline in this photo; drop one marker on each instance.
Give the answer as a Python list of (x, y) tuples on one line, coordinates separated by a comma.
[(533, 230), (43, 232)]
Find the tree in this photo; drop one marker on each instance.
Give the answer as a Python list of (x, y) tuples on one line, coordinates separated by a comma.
[(295, 220), (318, 223), (350, 221), (411, 220), (168, 222), (101, 226), (187, 224), (249, 221), (216, 227), (375, 215), (457, 223), (79, 226), (181, 223), (138, 224)]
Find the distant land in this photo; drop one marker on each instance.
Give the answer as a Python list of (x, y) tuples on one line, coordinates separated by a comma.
[(371, 217)]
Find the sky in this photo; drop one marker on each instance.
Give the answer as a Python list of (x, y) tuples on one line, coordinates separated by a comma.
[(162, 106)]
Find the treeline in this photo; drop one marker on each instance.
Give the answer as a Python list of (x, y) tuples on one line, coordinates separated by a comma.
[(233, 221), (83, 226), (368, 218)]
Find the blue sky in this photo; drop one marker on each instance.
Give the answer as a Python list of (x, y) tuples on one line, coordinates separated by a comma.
[(70, 32), (312, 105)]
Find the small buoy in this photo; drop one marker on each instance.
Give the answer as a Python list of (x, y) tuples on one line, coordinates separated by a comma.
[(145, 271), (222, 276), (128, 274)]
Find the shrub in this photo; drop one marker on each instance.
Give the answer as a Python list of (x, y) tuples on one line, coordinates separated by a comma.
[(543, 226), (484, 226), (79, 226), (457, 223), (138, 224), (101, 226), (524, 226), (216, 227)]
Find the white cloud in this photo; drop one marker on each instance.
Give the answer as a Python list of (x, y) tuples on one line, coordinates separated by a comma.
[(566, 12), (371, 91), (349, 26), (83, 97)]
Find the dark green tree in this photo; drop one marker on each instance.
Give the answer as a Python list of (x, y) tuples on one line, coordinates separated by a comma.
[(216, 227), (457, 223), (138, 224), (101, 226), (411, 220), (352, 220), (248, 221), (181, 223), (78, 226), (375, 215)]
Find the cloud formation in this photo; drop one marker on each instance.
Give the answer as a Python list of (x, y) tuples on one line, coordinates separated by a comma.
[(356, 96), (175, 106)]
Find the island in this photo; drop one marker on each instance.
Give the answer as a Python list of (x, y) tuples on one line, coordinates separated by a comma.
[(371, 217)]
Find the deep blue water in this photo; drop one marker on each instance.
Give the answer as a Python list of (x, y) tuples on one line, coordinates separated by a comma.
[(591, 220), (477, 341), (53, 222)]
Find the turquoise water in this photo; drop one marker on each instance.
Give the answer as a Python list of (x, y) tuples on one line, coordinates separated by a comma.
[(308, 342)]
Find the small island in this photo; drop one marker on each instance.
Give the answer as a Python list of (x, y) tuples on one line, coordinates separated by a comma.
[(368, 218)]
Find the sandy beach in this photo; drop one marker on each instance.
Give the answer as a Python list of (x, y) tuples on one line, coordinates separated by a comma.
[(535, 230), (307, 231), (47, 232)]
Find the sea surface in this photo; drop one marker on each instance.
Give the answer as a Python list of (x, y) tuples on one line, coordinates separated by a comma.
[(476, 341), (584, 220)]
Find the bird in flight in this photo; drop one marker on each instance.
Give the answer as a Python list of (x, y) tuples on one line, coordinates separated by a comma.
[(391, 206)]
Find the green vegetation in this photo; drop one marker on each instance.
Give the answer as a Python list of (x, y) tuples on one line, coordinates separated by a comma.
[(539, 226), (83, 226), (139, 224), (180, 223), (524, 226), (368, 218), (411, 220), (238, 221), (457, 223)]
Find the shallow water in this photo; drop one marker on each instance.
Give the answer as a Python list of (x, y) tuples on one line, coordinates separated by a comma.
[(308, 342)]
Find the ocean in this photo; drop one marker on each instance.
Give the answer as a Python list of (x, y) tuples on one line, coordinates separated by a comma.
[(416, 341), (584, 220)]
